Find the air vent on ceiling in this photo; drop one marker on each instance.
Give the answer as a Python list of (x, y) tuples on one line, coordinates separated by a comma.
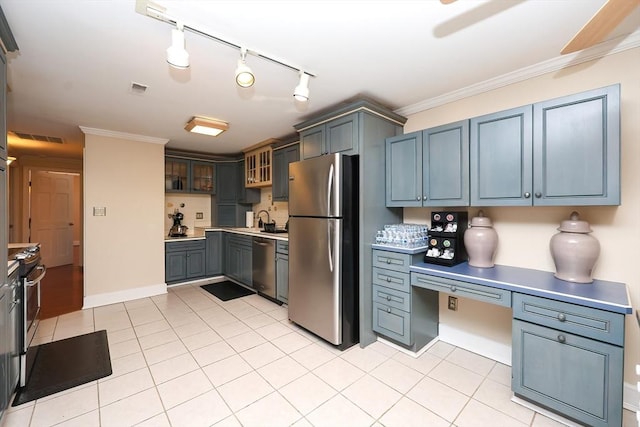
[(138, 88), (41, 138)]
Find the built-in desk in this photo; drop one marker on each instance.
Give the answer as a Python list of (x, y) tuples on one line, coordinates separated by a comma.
[(567, 338)]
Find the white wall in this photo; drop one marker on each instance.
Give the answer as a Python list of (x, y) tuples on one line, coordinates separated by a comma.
[(124, 250), (524, 233)]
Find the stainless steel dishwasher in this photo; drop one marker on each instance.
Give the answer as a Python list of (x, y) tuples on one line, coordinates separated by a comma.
[(264, 266)]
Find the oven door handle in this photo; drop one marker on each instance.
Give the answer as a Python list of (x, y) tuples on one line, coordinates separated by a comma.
[(39, 278)]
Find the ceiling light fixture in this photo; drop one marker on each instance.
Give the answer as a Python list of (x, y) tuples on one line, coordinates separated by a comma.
[(177, 55), (301, 92), (206, 126), (244, 75)]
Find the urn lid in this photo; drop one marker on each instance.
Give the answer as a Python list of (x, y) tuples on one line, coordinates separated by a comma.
[(481, 220), (574, 225)]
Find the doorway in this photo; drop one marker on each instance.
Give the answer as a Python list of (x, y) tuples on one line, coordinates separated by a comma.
[(53, 218)]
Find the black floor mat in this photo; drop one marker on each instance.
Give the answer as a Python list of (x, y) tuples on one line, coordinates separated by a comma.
[(61, 365), (227, 290)]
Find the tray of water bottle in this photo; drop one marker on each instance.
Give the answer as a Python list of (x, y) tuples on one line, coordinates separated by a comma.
[(408, 236)]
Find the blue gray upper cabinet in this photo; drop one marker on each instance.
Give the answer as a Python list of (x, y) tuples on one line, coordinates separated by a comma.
[(404, 170), (501, 167), (281, 159), (339, 135), (445, 165), (576, 149), (429, 168)]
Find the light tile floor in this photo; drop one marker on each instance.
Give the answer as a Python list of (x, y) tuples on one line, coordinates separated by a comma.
[(189, 359)]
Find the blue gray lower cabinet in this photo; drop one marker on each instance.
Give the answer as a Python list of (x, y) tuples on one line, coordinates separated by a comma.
[(184, 260), (238, 258), (213, 252), (407, 317), (282, 271), (567, 341), (558, 364)]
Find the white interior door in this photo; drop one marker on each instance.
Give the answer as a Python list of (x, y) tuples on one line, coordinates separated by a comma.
[(52, 216)]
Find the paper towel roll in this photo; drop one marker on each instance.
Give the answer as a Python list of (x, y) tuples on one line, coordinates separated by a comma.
[(249, 220)]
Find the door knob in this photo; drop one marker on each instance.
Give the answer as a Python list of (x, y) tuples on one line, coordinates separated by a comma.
[(527, 195), (562, 339), (70, 223), (538, 195)]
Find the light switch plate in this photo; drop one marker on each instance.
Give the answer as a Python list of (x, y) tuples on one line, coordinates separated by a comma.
[(199, 215), (99, 211)]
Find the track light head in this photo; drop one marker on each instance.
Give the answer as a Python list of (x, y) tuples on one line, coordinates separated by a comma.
[(301, 92), (244, 75), (177, 55)]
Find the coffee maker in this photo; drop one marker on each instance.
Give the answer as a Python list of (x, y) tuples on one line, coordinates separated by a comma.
[(177, 229)]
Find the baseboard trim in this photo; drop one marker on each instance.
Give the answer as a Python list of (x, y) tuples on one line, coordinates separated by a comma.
[(477, 344), (401, 349), (122, 296), (631, 397)]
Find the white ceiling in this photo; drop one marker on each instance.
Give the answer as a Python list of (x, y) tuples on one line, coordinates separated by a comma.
[(78, 58)]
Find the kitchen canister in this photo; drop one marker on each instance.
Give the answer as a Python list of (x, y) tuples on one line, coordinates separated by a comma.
[(574, 251), (481, 241)]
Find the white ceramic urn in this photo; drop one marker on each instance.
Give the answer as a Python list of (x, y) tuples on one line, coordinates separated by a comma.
[(574, 251), (481, 241)]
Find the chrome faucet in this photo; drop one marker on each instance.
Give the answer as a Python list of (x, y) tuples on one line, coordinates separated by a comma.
[(260, 223)]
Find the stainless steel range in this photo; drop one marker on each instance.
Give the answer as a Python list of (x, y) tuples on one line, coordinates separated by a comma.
[(31, 272)]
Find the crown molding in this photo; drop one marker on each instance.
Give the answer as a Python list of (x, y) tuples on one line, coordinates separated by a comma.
[(610, 47), (123, 135)]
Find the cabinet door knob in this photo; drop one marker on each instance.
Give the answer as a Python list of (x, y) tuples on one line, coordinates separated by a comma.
[(538, 195), (388, 261), (388, 297), (388, 279), (562, 317), (562, 338), (424, 197), (453, 289), (388, 310), (527, 195), (418, 198)]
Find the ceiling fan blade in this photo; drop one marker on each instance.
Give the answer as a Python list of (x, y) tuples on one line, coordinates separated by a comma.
[(601, 24)]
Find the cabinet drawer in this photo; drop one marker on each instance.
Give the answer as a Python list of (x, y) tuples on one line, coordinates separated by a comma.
[(463, 289), (282, 247), (391, 260), (391, 297), (184, 245), (589, 322), (392, 323), (391, 279)]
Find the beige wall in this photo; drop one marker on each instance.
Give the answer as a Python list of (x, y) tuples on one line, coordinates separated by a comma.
[(124, 250), (524, 233)]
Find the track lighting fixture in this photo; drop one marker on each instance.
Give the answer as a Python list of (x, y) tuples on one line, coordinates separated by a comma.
[(244, 75), (301, 92), (206, 126), (177, 55)]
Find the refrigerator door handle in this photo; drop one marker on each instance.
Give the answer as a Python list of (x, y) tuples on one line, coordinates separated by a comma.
[(329, 189), (329, 236), (330, 244)]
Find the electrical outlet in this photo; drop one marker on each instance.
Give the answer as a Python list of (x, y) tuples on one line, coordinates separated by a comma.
[(199, 215), (453, 303)]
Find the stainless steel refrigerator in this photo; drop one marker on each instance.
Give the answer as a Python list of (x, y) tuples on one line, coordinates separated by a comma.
[(323, 247)]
